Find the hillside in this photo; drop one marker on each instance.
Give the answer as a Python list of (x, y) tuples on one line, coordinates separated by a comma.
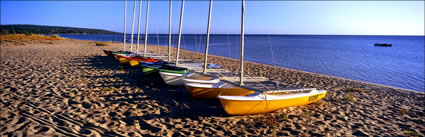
[(39, 29)]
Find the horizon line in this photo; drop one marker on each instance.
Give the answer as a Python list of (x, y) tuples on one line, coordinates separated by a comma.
[(229, 33)]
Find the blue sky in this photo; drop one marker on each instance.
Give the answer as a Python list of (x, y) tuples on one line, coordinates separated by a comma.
[(262, 17)]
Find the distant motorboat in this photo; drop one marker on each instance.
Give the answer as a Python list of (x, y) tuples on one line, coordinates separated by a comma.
[(383, 44)]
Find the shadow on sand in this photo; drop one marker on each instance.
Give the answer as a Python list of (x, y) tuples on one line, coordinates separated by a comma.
[(176, 99)]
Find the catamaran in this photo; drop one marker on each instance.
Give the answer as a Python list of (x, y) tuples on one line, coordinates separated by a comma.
[(249, 96), (176, 79), (266, 97), (208, 85)]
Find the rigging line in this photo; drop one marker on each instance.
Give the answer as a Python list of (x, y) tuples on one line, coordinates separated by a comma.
[(125, 22), (184, 42), (169, 32), (270, 42), (271, 50), (146, 29), (228, 43), (132, 26), (199, 41), (253, 107), (138, 27), (196, 43), (174, 40), (263, 85), (157, 37), (199, 45)]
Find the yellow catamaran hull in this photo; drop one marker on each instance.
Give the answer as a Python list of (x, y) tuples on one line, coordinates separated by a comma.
[(246, 106), (124, 60)]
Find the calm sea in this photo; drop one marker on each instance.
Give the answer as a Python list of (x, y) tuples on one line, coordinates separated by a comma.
[(352, 57)]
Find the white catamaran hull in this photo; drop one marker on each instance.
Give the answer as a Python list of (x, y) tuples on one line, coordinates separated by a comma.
[(178, 79), (173, 79)]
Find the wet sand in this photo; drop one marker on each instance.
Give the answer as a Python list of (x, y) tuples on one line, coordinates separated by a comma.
[(71, 88)]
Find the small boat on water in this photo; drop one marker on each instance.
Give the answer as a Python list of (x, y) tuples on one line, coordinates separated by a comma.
[(383, 44)]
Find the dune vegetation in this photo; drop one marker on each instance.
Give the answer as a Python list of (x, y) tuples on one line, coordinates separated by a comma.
[(24, 39)]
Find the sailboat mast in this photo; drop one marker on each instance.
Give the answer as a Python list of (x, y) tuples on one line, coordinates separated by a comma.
[(242, 40), (208, 38), (180, 33), (146, 29), (138, 26), (169, 32), (132, 26), (125, 21)]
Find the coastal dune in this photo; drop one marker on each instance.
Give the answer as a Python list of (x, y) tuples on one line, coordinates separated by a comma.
[(71, 88)]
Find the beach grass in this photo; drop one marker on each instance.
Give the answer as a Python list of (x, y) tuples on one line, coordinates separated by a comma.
[(99, 43), (23, 39), (350, 97), (110, 89), (306, 113), (319, 102), (410, 133), (350, 89), (274, 132), (284, 116), (55, 36), (31, 37), (403, 111)]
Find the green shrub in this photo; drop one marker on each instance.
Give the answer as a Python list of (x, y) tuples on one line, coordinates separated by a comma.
[(27, 33), (55, 36)]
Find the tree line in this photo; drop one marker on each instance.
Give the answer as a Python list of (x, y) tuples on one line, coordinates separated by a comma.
[(39, 29)]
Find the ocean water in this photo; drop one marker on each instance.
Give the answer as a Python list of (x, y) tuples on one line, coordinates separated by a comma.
[(352, 57)]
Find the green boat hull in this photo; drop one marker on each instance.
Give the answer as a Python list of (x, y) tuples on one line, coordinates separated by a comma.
[(147, 70), (151, 69), (174, 71)]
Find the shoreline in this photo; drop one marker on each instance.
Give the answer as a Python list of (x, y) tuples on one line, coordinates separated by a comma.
[(71, 88), (273, 66), (337, 77)]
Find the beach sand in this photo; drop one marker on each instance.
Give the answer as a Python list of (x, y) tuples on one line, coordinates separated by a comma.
[(71, 88)]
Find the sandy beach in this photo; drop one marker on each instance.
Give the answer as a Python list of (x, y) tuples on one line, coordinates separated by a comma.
[(71, 88)]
